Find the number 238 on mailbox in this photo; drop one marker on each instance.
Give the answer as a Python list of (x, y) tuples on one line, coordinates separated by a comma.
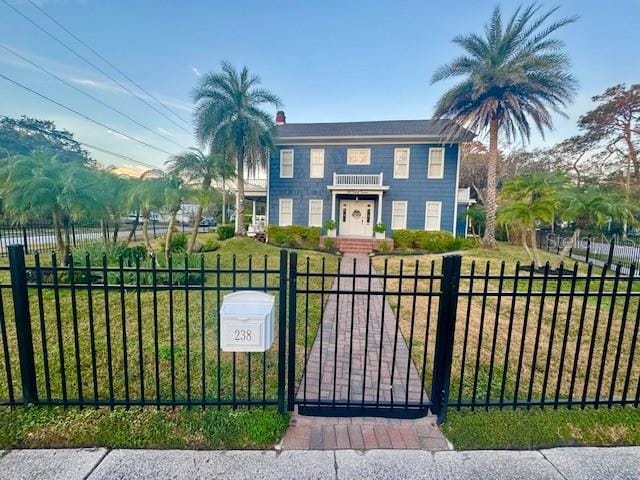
[(247, 322)]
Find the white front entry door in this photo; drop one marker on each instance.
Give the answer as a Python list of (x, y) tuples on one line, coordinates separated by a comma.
[(356, 218)]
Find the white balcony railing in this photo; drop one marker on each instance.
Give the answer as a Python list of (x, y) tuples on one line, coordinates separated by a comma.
[(464, 195), (255, 183), (357, 180)]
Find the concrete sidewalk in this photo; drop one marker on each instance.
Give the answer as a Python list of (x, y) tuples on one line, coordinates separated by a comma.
[(555, 464)]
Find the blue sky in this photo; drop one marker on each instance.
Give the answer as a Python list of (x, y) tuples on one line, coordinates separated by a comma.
[(328, 60)]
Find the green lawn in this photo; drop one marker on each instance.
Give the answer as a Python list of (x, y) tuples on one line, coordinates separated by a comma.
[(530, 429), (42, 427), (179, 364), (487, 324)]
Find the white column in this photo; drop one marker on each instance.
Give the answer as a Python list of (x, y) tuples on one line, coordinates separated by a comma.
[(253, 213), (333, 206), (379, 216), (332, 233)]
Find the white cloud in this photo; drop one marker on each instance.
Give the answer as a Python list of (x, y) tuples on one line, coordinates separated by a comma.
[(196, 71), (119, 135)]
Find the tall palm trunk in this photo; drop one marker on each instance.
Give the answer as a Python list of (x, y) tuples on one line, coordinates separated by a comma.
[(224, 201), (57, 232), (66, 249), (240, 197), (134, 227), (145, 229), (116, 230), (566, 248), (489, 239), (534, 247), (170, 230), (206, 185)]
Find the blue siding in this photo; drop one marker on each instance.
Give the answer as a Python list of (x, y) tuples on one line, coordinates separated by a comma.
[(416, 190)]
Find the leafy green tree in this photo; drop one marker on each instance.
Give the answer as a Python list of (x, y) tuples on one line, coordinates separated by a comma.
[(199, 168), (529, 200), (24, 135), (42, 185), (229, 114), (594, 206), (513, 78), (146, 194)]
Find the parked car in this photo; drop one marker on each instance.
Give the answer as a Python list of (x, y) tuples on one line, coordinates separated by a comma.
[(207, 222)]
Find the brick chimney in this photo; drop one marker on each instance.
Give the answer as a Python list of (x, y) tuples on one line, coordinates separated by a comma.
[(281, 119)]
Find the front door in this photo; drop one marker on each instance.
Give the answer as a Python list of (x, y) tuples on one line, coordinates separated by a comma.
[(356, 218)]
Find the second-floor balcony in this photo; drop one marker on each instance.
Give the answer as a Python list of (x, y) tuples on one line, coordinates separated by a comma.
[(358, 181), (254, 186)]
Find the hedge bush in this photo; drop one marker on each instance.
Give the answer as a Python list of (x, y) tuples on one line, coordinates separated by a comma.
[(294, 236), (226, 231), (430, 242)]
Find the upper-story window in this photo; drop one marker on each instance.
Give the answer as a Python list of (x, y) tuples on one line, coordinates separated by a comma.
[(286, 163), (316, 163), (435, 168), (401, 162), (358, 156)]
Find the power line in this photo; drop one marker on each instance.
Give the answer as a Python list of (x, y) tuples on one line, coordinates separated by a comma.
[(97, 54), (86, 117), (89, 145), (89, 62), (70, 85)]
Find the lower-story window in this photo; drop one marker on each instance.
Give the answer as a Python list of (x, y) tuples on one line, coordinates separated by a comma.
[(432, 215), (285, 212), (399, 215), (315, 213)]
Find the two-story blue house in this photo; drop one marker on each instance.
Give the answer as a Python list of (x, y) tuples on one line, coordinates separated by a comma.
[(401, 173)]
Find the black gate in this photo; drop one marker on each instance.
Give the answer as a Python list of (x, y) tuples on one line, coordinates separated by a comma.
[(371, 340)]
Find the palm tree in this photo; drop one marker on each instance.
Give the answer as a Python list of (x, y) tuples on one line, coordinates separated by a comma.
[(224, 170), (195, 166), (173, 192), (529, 200), (44, 185), (595, 206), (514, 77), (228, 113)]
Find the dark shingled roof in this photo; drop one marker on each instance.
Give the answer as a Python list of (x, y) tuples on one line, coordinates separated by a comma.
[(444, 130)]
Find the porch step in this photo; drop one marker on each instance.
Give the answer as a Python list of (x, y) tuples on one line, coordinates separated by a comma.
[(355, 245)]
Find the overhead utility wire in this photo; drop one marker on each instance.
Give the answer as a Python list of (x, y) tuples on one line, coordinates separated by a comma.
[(85, 144), (79, 90), (86, 117), (101, 57), (89, 62)]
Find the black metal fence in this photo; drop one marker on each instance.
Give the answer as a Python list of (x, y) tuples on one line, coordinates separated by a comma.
[(93, 334), (385, 337), (600, 250), (40, 237)]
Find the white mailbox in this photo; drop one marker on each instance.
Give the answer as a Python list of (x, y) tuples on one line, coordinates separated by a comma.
[(246, 322)]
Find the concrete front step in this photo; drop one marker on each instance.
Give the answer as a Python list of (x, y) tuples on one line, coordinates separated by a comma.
[(360, 245)]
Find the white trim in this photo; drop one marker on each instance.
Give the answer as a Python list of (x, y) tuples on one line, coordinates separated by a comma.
[(319, 224), (455, 203), (426, 216), (311, 150), (359, 150), (436, 177), (287, 150), (283, 222), (395, 159), (404, 220)]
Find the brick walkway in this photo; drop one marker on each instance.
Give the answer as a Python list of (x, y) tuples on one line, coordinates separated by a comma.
[(352, 361)]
